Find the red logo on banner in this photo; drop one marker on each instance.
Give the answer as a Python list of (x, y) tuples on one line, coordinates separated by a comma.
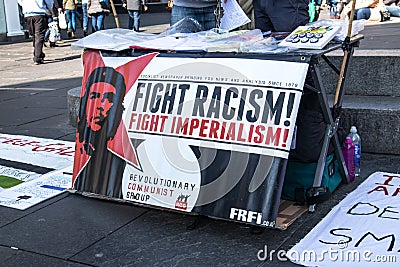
[(181, 202), (99, 85)]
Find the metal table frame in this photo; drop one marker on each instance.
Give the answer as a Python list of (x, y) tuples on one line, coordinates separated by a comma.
[(331, 116)]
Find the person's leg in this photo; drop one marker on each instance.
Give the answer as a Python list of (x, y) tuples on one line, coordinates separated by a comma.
[(30, 24), (362, 13), (78, 15), (94, 22), (73, 23), (40, 27), (393, 10), (100, 20), (85, 21), (136, 20), (130, 21), (68, 14)]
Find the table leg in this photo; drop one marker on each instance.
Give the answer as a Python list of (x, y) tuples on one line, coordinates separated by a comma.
[(330, 132)]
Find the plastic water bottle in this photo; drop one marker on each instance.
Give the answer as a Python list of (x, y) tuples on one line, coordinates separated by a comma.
[(357, 149), (348, 155)]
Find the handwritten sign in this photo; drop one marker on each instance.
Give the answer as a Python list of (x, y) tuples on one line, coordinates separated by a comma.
[(361, 231), (30, 193)]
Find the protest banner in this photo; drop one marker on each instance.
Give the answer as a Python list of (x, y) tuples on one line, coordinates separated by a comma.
[(202, 134)]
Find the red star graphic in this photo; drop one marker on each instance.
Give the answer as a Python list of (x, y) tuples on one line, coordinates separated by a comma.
[(120, 144)]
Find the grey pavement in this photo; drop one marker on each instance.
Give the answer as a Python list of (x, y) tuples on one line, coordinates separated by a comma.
[(73, 230)]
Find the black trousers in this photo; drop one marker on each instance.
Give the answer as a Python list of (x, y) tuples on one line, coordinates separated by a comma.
[(37, 26), (280, 15)]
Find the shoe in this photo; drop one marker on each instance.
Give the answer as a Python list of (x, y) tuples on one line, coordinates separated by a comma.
[(69, 33), (85, 33), (73, 35), (38, 62)]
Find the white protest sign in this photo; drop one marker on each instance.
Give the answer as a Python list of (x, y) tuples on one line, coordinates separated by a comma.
[(362, 230), (48, 153), (30, 193)]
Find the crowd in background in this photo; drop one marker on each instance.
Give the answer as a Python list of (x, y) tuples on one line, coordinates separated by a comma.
[(43, 17), (91, 13)]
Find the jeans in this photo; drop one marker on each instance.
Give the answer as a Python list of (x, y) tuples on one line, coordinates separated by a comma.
[(205, 16), (362, 13), (393, 10), (85, 22), (98, 21), (71, 17), (134, 20)]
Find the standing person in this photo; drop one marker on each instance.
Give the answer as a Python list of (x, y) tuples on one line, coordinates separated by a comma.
[(280, 15), (70, 10), (134, 8), (97, 10), (200, 10), (36, 20), (85, 21)]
